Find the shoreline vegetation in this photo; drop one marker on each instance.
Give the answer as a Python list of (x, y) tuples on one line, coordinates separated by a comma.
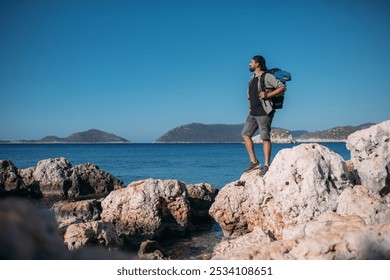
[(201, 133), (312, 204)]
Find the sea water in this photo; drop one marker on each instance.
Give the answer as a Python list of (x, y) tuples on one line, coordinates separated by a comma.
[(217, 164)]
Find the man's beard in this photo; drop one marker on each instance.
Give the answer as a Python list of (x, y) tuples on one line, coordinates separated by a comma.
[(251, 69)]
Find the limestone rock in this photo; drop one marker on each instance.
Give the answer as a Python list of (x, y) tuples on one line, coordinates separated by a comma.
[(231, 207), (330, 237), (370, 154), (53, 176), (278, 136), (92, 233), (57, 177), (10, 180), (362, 202), (89, 179), (29, 181), (302, 183), (67, 213), (147, 208), (237, 246), (201, 197)]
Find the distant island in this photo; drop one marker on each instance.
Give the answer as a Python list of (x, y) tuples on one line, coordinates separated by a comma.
[(89, 136), (231, 133), (203, 133), (336, 134)]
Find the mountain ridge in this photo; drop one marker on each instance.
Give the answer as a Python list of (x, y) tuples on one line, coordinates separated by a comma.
[(338, 133), (88, 136)]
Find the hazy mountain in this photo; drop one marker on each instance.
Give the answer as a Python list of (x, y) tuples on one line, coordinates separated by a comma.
[(339, 133), (203, 133), (93, 136), (89, 136)]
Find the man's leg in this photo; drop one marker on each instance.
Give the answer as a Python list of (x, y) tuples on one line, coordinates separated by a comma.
[(249, 129), (265, 134), (267, 146), (250, 148)]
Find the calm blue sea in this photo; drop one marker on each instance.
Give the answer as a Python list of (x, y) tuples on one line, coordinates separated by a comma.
[(217, 164)]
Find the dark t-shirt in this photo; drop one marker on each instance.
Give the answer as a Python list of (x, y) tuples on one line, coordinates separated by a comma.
[(256, 109)]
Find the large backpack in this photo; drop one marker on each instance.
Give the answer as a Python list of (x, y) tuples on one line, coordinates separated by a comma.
[(282, 76)]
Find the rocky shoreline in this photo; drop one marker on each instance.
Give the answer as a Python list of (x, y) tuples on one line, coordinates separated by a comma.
[(310, 205)]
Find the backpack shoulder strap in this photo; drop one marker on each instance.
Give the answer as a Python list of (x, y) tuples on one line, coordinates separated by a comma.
[(262, 81)]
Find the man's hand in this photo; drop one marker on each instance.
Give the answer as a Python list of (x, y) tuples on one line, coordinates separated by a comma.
[(263, 95), (267, 95)]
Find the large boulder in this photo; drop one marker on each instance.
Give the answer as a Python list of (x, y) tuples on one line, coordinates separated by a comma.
[(53, 176), (231, 208), (148, 208), (57, 177), (370, 154), (89, 179), (10, 180), (302, 183)]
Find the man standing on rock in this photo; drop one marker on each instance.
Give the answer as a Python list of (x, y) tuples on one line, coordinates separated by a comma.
[(261, 112)]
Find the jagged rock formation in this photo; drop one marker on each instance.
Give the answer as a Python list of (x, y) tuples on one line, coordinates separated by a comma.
[(56, 177), (10, 179), (302, 183), (150, 208), (308, 205), (370, 154)]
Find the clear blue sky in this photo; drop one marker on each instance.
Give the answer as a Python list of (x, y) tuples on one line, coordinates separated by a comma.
[(140, 68)]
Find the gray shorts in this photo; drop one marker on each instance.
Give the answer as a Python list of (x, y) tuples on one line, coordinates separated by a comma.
[(255, 122)]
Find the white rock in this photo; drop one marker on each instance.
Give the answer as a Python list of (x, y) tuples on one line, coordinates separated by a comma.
[(147, 208), (302, 183), (362, 202), (53, 176), (278, 136), (370, 154), (330, 237)]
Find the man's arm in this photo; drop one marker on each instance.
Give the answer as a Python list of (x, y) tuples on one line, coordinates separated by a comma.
[(275, 92)]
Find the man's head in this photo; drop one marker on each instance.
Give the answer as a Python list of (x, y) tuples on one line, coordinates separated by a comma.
[(257, 62)]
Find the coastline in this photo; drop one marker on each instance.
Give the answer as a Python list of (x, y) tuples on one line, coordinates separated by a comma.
[(315, 140)]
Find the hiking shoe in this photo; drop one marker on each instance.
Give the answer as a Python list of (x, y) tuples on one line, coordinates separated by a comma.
[(263, 170), (252, 166)]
